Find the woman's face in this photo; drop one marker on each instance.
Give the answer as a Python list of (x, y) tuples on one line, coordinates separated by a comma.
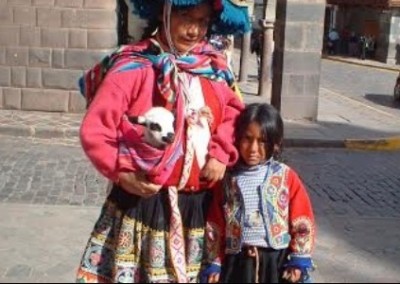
[(189, 26), (252, 145)]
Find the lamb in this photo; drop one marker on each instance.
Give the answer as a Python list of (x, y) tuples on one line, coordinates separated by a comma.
[(159, 123)]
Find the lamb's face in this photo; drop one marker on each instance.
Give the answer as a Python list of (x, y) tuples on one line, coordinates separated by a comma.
[(159, 123)]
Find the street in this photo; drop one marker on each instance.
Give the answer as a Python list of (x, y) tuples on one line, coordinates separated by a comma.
[(371, 86), (50, 197)]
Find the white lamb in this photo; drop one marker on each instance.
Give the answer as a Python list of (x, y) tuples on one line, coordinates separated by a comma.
[(159, 123)]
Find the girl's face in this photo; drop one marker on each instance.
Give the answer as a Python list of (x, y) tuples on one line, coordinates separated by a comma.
[(189, 26), (252, 147)]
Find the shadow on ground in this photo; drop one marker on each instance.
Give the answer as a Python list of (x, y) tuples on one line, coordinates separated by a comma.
[(383, 100)]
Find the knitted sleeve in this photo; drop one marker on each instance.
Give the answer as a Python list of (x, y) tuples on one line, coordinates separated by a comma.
[(301, 224), (99, 128), (215, 229), (222, 145)]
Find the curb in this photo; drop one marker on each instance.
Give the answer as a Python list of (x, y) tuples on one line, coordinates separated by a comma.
[(364, 64), (383, 144), (312, 143), (379, 144), (39, 132)]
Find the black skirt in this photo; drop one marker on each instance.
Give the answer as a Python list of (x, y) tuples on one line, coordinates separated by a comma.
[(241, 268), (129, 242)]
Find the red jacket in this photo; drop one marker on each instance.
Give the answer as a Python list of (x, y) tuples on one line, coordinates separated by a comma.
[(131, 93)]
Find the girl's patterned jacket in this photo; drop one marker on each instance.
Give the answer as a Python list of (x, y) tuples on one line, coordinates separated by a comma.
[(286, 211)]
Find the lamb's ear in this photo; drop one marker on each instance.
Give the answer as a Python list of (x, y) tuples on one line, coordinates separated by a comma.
[(141, 120)]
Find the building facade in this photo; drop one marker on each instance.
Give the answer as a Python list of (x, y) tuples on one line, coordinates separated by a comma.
[(44, 47), (378, 19)]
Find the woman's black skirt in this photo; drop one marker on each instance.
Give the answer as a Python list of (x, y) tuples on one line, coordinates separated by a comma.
[(129, 242)]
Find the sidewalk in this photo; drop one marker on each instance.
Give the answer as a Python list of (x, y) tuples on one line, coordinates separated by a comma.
[(358, 61), (342, 122)]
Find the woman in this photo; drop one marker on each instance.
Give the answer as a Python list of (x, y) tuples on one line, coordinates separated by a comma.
[(151, 228)]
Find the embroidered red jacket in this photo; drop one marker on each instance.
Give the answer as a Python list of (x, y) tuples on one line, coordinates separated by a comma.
[(289, 225)]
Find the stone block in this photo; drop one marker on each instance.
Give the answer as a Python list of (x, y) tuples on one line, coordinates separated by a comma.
[(30, 36), (45, 100), (295, 85), (61, 78), (58, 58), (294, 36), (17, 56), (299, 108), (72, 18), (40, 57), (18, 76), (12, 98), (104, 4), (78, 38), (77, 103), (19, 271), (6, 15), (70, 3), (1, 98), (9, 35), (48, 3), (303, 11), (5, 76), (25, 16), (311, 84), (55, 38), (99, 19), (49, 17), (314, 37), (19, 2), (2, 55), (301, 62), (100, 39), (34, 77), (83, 59)]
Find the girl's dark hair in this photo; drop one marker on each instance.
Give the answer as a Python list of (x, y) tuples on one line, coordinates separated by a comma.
[(271, 124)]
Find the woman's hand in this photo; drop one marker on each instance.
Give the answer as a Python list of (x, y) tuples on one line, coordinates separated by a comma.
[(213, 171), (137, 183), (292, 275)]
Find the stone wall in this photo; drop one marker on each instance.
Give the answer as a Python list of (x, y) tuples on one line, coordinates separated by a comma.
[(297, 57), (44, 47), (393, 38)]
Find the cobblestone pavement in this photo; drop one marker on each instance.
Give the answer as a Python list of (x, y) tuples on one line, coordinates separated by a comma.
[(57, 172), (50, 197)]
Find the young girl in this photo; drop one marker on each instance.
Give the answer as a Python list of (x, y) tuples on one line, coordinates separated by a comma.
[(262, 229)]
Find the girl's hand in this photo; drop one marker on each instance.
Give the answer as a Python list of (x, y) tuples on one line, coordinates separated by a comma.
[(213, 171), (292, 275), (137, 183), (213, 278), (210, 274)]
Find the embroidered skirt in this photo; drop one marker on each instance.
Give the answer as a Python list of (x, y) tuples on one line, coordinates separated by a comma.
[(241, 268), (129, 242)]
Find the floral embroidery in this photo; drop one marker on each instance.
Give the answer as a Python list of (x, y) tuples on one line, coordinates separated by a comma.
[(213, 236), (303, 231)]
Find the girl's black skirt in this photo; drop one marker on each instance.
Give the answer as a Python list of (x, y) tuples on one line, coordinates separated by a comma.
[(241, 268)]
